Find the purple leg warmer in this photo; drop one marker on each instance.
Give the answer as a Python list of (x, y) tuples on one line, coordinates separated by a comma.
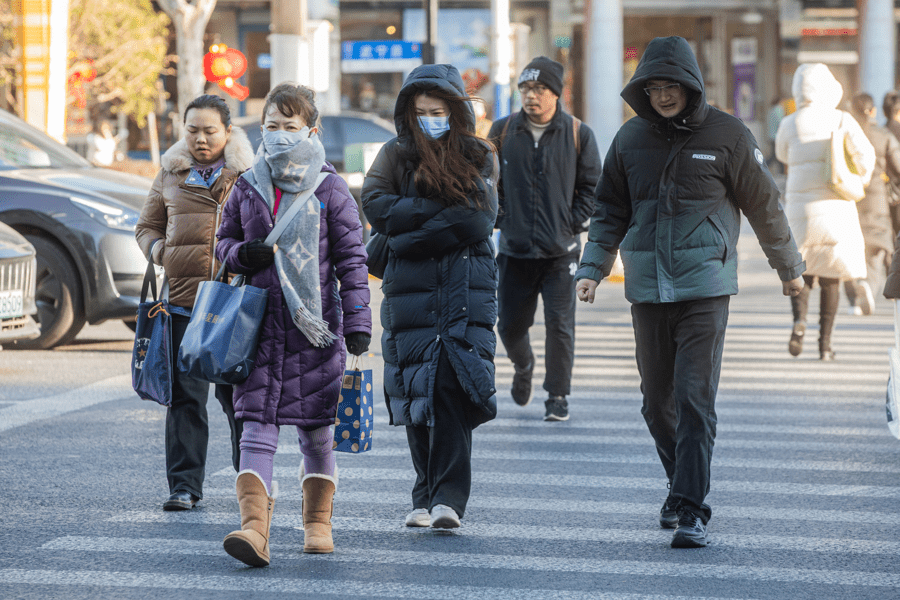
[(258, 444), (315, 445)]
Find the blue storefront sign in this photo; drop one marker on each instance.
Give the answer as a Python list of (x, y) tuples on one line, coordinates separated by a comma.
[(380, 56)]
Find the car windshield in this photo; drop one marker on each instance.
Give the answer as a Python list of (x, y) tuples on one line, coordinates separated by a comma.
[(22, 148)]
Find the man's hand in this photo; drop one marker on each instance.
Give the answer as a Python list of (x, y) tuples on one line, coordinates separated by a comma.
[(585, 289), (792, 287)]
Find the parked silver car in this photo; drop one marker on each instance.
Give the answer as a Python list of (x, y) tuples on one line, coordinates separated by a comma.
[(80, 220), (18, 267)]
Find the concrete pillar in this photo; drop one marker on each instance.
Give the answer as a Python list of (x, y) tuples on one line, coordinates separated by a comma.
[(56, 88), (603, 73), (877, 49), (289, 43), (501, 56)]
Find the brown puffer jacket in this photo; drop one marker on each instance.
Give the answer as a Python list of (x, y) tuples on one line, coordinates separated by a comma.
[(186, 216)]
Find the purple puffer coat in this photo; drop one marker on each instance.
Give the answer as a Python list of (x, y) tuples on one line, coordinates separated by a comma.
[(294, 383)]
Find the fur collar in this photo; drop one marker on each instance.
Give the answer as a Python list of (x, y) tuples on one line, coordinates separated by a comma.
[(238, 154)]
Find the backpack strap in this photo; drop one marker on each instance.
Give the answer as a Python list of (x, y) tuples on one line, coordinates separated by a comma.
[(505, 128), (576, 125)]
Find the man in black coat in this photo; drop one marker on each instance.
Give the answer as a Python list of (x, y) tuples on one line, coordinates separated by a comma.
[(673, 185), (549, 167)]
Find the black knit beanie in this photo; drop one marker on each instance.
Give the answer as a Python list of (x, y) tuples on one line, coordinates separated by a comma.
[(546, 71)]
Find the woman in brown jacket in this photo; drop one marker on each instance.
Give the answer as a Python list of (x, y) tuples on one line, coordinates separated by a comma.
[(177, 230)]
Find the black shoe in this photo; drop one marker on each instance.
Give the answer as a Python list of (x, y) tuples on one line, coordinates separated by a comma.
[(668, 517), (521, 385), (795, 346), (180, 500), (557, 409), (690, 531)]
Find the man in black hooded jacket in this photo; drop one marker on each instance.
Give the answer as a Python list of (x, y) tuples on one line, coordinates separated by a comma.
[(673, 185), (549, 166)]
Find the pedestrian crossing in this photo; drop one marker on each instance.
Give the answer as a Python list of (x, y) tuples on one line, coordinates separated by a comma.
[(804, 494)]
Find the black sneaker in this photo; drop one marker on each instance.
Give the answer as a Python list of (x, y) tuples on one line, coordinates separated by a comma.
[(557, 409), (690, 531), (521, 385), (668, 516)]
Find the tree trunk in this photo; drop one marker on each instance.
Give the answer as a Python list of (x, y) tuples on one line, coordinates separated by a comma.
[(190, 22), (189, 46)]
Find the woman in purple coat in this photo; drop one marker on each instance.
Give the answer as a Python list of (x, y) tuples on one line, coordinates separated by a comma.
[(300, 359)]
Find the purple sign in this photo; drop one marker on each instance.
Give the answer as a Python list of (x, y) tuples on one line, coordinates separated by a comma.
[(745, 91)]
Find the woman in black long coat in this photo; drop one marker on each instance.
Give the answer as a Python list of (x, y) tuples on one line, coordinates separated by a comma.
[(433, 192)]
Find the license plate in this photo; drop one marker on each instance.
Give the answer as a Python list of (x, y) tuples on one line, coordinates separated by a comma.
[(11, 304)]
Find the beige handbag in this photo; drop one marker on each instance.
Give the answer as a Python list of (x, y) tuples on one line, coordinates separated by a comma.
[(840, 166)]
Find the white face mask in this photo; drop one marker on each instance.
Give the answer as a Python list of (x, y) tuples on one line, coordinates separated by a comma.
[(434, 127)]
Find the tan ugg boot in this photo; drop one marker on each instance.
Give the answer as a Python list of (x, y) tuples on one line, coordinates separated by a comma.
[(318, 505), (250, 545)]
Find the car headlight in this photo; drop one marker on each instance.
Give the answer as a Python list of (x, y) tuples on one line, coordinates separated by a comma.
[(106, 214)]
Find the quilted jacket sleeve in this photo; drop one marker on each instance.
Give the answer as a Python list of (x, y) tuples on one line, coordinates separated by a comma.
[(152, 224), (230, 235), (609, 223), (348, 256)]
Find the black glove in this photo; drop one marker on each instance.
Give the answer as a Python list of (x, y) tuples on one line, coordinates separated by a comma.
[(256, 255), (357, 342)]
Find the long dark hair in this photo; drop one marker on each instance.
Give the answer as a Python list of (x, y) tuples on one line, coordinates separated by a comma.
[(448, 169)]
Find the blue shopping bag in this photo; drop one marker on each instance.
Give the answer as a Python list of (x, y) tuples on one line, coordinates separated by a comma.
[(151, 357), (220, 341), (354, 419)]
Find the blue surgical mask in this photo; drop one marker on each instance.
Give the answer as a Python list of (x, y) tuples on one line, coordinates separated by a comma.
[(280, 141), (435, 126)]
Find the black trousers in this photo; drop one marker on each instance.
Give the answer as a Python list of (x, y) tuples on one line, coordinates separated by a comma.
[(521, 281), (442, 455), (187, 424), (828, 303), (679, 356)]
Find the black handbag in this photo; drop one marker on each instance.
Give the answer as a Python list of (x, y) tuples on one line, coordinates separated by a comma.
[(377, 251)]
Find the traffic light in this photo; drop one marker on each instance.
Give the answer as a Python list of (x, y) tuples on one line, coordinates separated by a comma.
[(223, 65)]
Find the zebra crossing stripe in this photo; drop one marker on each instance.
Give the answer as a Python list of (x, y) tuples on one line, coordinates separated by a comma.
[(507, 503), (318, 587), (530, 533), (648, 459), (555, 432), (623, 483), (37, 409)]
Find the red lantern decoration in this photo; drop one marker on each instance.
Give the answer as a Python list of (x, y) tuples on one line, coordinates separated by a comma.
[(224, 65)]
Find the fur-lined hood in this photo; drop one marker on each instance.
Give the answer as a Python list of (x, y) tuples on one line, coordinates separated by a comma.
[(238, 154)]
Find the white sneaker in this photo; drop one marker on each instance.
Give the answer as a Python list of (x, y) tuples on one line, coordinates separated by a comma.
[(418, 518), (444, 517)]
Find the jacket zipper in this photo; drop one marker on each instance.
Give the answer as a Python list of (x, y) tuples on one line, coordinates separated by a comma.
[(212, 247)]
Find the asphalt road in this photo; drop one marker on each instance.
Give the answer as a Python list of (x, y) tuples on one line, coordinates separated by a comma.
[(806, 482)]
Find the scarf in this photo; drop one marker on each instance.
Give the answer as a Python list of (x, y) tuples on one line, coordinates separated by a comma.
[(292, 165)]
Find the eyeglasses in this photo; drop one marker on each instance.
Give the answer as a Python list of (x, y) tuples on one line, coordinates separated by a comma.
[(538, 89), (672, 88)]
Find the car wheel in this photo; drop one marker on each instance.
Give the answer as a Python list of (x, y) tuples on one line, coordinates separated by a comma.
[(57, 295)]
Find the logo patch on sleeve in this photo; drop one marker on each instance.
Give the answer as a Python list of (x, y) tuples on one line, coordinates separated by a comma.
[(758, 156), (711, 157)]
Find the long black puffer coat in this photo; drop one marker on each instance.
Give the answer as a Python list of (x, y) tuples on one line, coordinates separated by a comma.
[(440, 284)]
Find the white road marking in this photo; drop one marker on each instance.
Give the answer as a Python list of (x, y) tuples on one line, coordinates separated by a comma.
[(37, 409), (318, 586)]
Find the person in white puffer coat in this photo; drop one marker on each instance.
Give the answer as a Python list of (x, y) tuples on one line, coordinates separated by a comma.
[(825, 225)]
